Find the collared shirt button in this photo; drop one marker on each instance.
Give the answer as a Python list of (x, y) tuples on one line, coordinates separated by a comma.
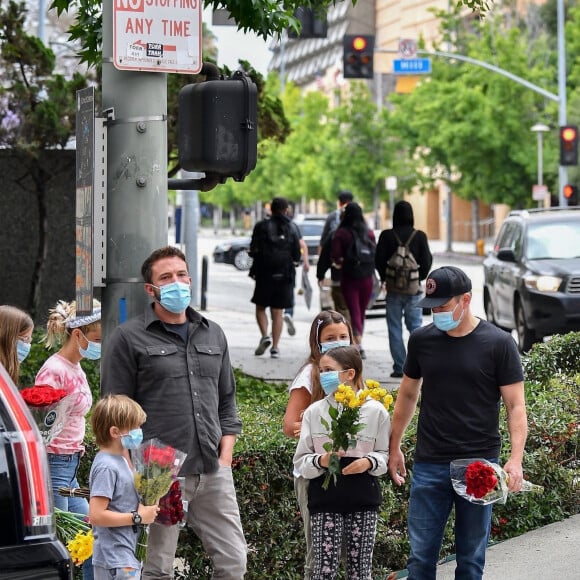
[(162, 351), (195, 393), (190, 372), (209, 350)]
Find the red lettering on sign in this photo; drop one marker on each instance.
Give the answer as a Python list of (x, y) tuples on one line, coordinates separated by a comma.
[(138, 26), (176, 27), (129, 5)]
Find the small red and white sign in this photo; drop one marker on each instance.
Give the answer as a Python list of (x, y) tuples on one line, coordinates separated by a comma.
[(539, 192), (407, 48), (157, 35)]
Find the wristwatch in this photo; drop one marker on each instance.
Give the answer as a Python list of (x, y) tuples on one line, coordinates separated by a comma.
[(137, 519)]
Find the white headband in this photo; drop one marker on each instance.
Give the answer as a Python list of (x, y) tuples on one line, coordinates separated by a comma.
[(79, 321)]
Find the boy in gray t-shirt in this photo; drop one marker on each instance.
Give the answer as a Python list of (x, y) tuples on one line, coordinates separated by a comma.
[(114, 509)]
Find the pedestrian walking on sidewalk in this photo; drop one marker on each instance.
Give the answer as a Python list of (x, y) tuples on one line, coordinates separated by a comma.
[(402, 295), (175, 363), (353, 253), (329, 330), (462, 367), (324, 255), (275, 249), (346, 512)]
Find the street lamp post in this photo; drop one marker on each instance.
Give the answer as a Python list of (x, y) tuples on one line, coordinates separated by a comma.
[(540, 129)]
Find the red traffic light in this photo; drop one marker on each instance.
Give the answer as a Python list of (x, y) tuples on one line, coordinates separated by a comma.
[(569, 134), (359, 43), (569, 191)]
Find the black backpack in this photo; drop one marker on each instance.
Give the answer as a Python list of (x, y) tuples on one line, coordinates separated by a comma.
[(402, 273), (359, 261), (279, 250)]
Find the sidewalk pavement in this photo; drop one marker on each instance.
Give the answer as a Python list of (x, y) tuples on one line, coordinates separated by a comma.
[(548, 553)]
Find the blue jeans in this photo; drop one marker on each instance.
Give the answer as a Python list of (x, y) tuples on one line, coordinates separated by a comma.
[(398, 305), (432, 498), (63, 473)]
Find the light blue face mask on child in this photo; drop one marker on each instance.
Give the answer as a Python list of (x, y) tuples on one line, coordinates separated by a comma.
[(326, 346), (133, 439), (93, 350), (329, 381), (22, 350)]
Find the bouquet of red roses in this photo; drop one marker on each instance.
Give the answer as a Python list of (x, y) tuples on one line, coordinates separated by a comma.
[(156, 468), (483, 482), (49, 412)]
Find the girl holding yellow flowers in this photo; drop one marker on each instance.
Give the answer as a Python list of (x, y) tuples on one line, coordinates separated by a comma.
[(343, 448)]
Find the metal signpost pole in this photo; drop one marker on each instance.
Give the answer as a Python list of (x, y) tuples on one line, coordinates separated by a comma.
[(136, 105)]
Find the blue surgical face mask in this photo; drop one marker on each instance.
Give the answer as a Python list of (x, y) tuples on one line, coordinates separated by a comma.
[(175, 297), (22, 350), (444, 320), (133, 439), (93, 350), (326, 346), (329, 381)]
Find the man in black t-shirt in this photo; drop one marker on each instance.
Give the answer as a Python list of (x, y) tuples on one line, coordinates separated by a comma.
[(462, 367)]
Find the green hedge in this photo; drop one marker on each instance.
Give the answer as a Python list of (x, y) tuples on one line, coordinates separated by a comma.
[(263, 470)]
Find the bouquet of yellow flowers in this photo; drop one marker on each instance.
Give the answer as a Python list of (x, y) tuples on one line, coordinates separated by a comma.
[(75, 532), (345, 421), (156, 468)]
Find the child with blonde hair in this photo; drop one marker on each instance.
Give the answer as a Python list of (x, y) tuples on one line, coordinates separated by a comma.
[(114, 509), (78, 336)]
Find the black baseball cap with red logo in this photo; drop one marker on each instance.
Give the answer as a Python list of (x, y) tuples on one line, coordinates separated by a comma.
[(442, 285)]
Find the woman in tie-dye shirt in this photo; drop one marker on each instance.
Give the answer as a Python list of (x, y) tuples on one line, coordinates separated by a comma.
[(79, 337)]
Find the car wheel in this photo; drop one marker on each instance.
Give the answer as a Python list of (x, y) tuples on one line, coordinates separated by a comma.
[(489, 311), (526, 336), (243, 260)]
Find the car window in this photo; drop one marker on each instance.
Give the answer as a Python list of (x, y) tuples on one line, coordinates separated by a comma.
[(311, 229), (510, 237), (553, 240)]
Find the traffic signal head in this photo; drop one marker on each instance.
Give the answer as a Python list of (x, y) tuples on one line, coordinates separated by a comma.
[(571, 194), (569, 145), (217, 127), (358, 55)]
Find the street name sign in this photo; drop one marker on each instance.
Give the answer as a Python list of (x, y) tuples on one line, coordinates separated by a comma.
[(157, 35), (412, 66)]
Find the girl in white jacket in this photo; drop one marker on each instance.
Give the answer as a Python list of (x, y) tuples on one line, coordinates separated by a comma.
[(348, 508)]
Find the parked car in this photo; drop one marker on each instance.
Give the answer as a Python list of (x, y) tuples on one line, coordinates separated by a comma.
[(29, 547), (311, 226), (532, 276), (235, 251)]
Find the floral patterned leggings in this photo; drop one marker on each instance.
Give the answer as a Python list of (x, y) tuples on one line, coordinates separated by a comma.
[(357, 529)]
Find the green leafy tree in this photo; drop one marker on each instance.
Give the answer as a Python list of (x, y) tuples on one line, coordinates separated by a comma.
[(470, 126), (37, 108)]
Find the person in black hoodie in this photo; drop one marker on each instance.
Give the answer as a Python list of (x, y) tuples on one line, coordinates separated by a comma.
[(398, 304)]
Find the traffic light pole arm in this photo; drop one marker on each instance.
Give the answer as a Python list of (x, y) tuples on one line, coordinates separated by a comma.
[(486, 65)]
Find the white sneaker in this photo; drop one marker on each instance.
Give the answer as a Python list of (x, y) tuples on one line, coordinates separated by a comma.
[(264, 343), (290, 324)]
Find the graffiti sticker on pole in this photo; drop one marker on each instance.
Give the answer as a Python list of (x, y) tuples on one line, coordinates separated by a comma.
[(157, 35)]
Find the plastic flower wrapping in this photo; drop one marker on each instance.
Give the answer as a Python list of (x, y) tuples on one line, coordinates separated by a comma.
[(171, 506), (156, 466), (48, 409), (345, 421), (483, 482), (74, 531)]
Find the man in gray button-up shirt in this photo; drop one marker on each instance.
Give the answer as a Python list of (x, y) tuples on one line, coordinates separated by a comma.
[(175, 364)]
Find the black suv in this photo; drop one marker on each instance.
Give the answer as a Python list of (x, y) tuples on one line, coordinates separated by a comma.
[(29, 548), (532, 276)]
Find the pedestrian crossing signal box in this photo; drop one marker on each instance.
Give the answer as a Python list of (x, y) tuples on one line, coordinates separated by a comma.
[(217, 127)]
